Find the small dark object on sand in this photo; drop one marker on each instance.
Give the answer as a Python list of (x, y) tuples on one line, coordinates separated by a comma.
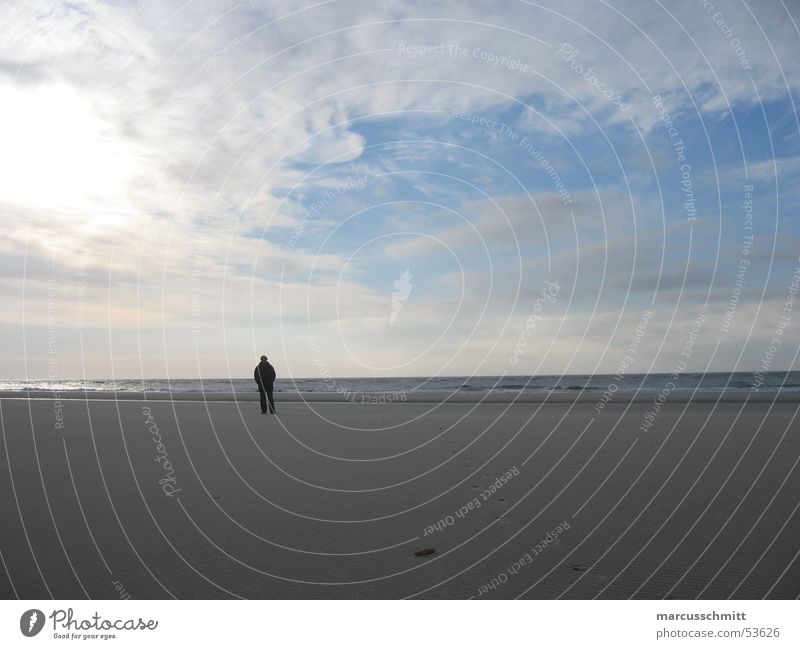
[(425, 552)]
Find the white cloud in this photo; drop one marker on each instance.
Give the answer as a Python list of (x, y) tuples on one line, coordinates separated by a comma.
[(136, 122)]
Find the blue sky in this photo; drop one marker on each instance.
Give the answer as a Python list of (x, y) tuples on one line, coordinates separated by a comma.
[(191, 185)]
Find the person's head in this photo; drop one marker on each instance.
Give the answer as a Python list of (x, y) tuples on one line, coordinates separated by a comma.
[(263, 359)]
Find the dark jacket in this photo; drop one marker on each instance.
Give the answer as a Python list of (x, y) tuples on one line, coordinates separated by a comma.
[(264, 374)]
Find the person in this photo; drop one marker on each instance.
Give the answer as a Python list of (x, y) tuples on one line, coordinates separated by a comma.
[(264, 376)]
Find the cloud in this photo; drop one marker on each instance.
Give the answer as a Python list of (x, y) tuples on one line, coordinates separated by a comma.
[(786, 169), (172, 154)]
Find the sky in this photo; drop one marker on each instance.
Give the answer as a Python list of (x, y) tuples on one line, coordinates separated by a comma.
[(398, 188)]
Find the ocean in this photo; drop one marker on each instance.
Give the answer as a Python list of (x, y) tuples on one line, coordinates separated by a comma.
[(686, 382)]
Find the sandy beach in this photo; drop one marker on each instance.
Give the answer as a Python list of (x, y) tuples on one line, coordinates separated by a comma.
[(550, 498)]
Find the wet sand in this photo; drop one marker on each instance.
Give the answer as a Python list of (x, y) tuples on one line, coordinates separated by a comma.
[(111, 497)]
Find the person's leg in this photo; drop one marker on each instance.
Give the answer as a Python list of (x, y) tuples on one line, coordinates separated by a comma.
[(271, 400), (263, 396)]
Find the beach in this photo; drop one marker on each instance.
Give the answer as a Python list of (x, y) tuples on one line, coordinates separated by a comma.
[(547, 496)]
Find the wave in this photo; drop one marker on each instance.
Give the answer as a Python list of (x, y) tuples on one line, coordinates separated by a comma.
[(423, 385)]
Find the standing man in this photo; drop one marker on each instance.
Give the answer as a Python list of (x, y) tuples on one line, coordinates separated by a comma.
[(264, 376)]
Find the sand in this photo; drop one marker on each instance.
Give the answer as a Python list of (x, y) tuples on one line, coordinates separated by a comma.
[(548, 498)]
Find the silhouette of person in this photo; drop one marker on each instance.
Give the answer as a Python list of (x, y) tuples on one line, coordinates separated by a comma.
[(264, 376)]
